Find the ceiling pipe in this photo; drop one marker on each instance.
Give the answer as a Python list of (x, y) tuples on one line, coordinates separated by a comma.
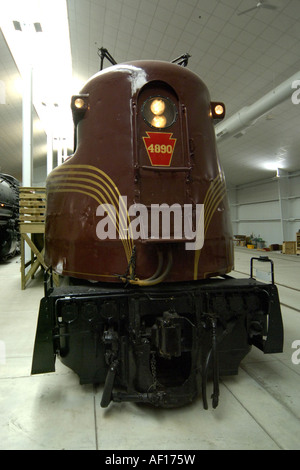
[(247, 116)]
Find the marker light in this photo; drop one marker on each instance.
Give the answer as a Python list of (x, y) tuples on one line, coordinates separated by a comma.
[(159, 112), (217, 111), (79, 103)]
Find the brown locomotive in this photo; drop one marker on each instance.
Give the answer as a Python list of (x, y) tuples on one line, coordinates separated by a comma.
[(140, 209), (113, 159)]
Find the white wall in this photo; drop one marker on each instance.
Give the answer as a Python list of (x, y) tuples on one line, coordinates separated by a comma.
[(269, 209), (39, 176)]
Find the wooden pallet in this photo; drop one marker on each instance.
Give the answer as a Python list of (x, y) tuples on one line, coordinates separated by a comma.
[(32, 205), (31, 222)]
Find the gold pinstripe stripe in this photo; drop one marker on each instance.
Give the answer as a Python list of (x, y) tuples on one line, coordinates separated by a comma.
[(65, 190), (108, 196), (215, 194), (100, 200), (92, 274), (110, 185)]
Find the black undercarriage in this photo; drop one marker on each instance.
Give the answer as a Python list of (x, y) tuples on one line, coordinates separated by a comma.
[(159, 344)]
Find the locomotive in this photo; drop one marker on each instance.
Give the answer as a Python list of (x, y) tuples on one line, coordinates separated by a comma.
[(9, 216), (138, 228)]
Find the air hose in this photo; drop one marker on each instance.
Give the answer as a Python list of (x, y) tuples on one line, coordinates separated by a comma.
[(156, 278)]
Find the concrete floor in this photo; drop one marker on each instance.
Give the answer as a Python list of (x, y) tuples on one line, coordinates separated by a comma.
[(259, 408)]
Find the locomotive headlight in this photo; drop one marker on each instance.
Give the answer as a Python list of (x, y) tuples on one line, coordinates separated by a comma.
[(159, 112), (159, 121), (157, 107)]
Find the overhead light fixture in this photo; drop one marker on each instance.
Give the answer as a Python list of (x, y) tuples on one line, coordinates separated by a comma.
[(38, 27), (17, 25), (273, 165)]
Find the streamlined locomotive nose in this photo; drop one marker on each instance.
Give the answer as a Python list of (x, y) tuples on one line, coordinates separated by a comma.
[(144, 181)]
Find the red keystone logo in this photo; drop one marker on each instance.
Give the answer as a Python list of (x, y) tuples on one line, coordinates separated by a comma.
[(160, 147)]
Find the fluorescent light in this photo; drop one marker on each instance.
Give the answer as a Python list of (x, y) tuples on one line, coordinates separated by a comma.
[(270, 165), (37, 27), (273, 165), (17, 25)]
